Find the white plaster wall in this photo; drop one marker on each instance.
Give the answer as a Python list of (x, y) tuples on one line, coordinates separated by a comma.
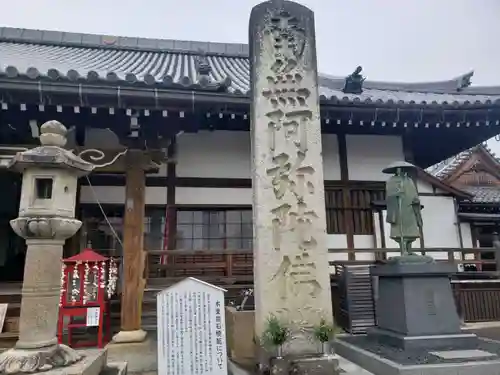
[(331, 161), (216, 154), (103, 194), (336, 241), (226, 154), (158, 195), (367, 155), (116, 195), (425, 188), (339, 241), (213, 196), (364, 242), (466, 235), (438, 215)]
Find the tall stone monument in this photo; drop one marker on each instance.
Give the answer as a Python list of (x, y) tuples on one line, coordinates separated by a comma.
[(290, 254), (46, 219)]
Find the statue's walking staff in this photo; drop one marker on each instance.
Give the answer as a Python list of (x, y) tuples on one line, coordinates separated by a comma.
[(399, 197)]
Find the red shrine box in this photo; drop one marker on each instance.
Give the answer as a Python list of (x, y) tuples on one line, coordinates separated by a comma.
[(88, 280)]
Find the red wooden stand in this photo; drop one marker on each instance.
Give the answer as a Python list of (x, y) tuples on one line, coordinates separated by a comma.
[(84, 289)]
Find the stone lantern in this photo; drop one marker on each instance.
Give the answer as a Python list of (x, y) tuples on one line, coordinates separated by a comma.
[(46, 219)]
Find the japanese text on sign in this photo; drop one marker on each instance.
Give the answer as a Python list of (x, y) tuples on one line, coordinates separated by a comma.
[(191, 329)]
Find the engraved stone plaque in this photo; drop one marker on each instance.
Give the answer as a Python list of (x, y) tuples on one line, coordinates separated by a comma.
[(191, 329), (430, 302), (292, 278)]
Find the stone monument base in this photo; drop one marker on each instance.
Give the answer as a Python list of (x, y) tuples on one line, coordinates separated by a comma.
[(294, 365), (480, 359)]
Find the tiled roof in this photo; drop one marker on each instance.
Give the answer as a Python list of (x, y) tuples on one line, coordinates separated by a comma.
[(37, 55), (446, 167), (483, 194)]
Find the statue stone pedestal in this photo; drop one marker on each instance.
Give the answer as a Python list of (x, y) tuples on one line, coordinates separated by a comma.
[(415, 306)]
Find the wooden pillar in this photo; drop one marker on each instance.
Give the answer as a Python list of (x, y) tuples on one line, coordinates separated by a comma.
[(73, 244), (171, 207), (133, 252), (171, 186), (346, 194), (383, 244)]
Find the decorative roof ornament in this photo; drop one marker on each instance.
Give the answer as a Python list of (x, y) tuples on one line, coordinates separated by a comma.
[(203, 70), (278, 3), (464, 80), (203, 67), (354, 82)]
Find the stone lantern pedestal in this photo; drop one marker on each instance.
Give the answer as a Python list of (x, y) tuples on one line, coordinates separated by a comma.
[(46, 219)]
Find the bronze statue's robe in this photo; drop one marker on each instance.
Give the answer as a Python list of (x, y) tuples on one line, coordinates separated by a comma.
[(403, 208)]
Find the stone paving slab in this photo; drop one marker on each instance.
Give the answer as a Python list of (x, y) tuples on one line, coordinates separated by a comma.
[(140, 357), (382, 366), (461, 354)]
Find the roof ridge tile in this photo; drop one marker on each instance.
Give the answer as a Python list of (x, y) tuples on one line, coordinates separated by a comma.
[(49, 55), (64, 38)]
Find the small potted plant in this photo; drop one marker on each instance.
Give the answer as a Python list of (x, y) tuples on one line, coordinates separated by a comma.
[(324, 333), (275, 335)]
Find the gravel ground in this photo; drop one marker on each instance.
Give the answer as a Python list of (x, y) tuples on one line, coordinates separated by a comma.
[(418, 357)]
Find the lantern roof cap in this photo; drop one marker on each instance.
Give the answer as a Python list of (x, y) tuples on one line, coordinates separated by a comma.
[(51, 153), (87, 255)]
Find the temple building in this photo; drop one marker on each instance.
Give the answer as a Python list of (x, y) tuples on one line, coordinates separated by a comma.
[(476, 171), (178, 202)]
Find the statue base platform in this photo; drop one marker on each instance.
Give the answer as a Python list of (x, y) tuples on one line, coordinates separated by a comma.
[(415, 305), (480, 359)]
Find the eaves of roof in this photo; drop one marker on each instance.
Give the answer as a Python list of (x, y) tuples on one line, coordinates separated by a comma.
[(432, 180), (446, 168), (36, 55), (484, 194)]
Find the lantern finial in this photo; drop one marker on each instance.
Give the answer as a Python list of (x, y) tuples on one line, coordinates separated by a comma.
[(53, 133)]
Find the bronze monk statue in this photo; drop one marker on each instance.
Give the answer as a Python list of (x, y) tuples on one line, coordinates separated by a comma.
[(403, 206)]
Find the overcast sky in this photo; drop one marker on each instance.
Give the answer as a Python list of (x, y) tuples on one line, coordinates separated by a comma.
[(394, 40)]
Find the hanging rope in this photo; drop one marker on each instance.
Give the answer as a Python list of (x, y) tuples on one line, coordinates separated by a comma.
[(113, 231)]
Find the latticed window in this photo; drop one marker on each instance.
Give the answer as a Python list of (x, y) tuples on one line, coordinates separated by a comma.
[(98, 231), (350, 209), (361, 208), (215, 229), (335, 212)]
